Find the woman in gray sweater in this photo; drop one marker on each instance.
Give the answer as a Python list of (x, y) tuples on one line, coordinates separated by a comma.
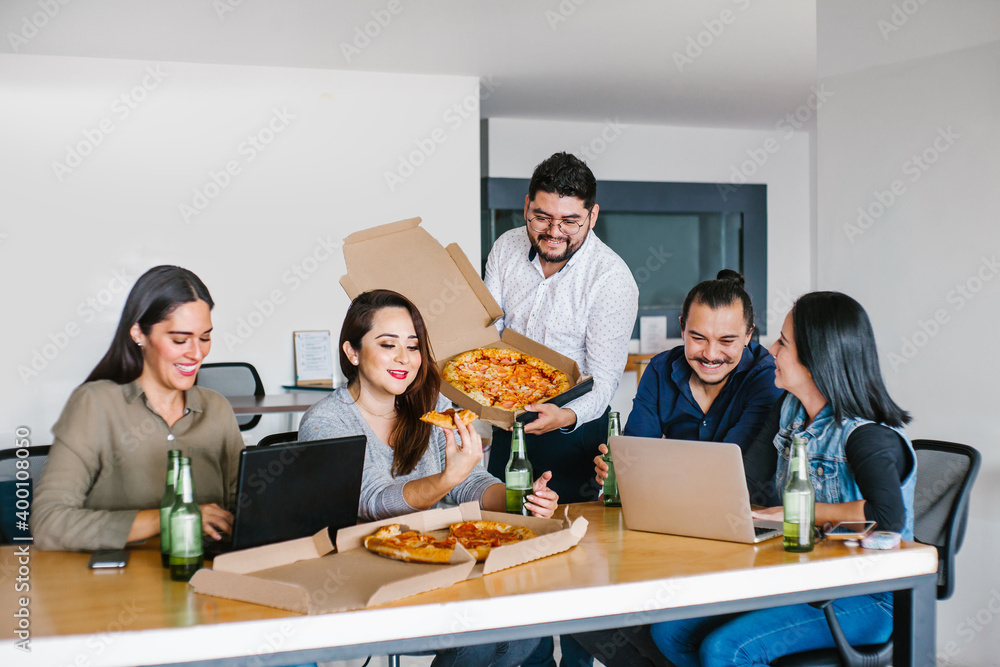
[(392, 380), (410, 465)]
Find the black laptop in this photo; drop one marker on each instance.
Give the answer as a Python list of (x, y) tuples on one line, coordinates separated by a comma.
[(294, 490)]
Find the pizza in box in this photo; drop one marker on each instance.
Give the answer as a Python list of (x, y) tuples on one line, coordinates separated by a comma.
[(504, 378), (478, 537)]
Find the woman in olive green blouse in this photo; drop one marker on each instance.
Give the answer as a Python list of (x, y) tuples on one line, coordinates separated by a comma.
[(104, 477)]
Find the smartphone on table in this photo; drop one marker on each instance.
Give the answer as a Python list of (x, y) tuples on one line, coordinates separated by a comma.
[(108, 559), (850, 530)]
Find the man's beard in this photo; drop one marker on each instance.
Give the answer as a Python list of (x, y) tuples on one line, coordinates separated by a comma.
[(564, 256)]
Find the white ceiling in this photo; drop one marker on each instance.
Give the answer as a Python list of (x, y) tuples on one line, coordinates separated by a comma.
[(549, 59), (883, 32)]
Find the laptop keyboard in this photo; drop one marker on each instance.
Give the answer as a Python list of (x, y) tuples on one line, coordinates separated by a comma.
[(213, 547), (759, 530)]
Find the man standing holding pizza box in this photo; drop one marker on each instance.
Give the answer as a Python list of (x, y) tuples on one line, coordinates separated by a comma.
[(561, 286)]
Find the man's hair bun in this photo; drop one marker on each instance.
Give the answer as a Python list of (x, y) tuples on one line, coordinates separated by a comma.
[(729, 274)]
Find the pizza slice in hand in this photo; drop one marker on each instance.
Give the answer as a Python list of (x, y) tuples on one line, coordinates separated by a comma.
[(447, 418)]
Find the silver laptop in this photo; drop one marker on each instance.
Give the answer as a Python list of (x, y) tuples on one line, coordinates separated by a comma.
[(689, 488)]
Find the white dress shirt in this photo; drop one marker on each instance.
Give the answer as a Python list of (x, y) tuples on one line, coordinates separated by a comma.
[(585, 311)]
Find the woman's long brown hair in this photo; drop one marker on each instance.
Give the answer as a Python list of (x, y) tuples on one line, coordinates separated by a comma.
[(410, 437)]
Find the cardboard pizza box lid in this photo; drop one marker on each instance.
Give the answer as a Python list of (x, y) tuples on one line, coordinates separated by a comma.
[(402, 256), (554, 536), (314, 579), (274, 555), (337, 582), (458, 309), (320, 581)]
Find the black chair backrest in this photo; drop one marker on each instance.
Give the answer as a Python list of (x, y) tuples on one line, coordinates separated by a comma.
[(278, 438), (11, 492), (945, 474), (233, 378)]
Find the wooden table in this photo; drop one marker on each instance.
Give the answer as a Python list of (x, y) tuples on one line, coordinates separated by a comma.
[(296, 401), (613, 578), (290, 403), (637, 363)]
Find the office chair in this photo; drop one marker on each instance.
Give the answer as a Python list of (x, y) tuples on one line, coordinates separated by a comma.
[(233, 378), (37, 456), (278, 438), (945, 474)]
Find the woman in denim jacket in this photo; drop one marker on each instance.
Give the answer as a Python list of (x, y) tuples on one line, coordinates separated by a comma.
[(862, 466)]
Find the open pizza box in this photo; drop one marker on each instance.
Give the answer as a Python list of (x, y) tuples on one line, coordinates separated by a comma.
[(460, 313), (312, 576)]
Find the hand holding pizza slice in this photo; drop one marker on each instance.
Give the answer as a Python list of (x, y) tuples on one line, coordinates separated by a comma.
[(463, 451)]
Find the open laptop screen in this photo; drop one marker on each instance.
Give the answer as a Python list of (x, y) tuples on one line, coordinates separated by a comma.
[(688, 488), (294, 490)]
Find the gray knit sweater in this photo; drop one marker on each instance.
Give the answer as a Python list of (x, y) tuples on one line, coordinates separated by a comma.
[(382, 494)]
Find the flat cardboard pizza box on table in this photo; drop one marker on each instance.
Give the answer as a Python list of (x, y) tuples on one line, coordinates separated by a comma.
[(460, 313), (306, 576)]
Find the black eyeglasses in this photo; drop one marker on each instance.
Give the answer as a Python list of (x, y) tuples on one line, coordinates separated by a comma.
[(542, 223)]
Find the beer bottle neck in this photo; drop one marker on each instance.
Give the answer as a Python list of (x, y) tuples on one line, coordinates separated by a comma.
[(185, 484), (517, 447), (800, 459), (173, 467)]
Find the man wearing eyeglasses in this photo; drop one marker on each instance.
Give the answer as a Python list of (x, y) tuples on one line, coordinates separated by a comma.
[(560, 285)]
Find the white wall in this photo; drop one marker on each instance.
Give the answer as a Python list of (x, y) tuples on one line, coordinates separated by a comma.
[(922, 114), (85, 237)]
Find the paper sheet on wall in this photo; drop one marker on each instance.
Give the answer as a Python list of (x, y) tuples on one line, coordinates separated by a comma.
[(313, 358), (652, 334)]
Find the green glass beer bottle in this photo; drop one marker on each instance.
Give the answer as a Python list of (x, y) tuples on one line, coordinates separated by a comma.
[(186, 553), (518, 475), (799, 501), (173, 465), (611, 496)]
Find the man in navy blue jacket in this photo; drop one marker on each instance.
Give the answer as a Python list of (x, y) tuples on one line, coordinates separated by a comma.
[(718, 386)]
